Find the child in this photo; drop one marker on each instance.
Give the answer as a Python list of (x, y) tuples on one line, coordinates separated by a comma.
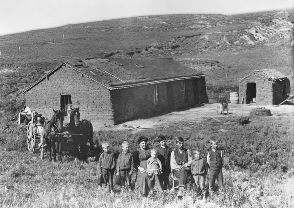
[(106, 165), (215, 163), (154, 168), (125, 166), (199, 170)]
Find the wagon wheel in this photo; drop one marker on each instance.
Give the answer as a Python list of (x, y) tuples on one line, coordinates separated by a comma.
[(31, 141)]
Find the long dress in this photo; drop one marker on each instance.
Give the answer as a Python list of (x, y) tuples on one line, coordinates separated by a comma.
[(142, 178)]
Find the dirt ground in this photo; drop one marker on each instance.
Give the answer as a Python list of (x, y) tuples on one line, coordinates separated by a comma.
[(198, 113)]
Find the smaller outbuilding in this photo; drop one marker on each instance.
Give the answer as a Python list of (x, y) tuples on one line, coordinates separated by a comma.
[(264, 87)]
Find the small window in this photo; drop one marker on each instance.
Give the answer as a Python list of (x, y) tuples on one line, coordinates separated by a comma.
[(155, 94)]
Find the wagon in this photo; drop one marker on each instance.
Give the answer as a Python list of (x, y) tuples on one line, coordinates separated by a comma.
[(68, 136), (34, 129)]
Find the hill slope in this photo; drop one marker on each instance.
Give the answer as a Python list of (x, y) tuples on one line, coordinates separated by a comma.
[(223, 47)]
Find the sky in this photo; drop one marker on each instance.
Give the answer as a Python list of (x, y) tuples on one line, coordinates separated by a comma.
[(23, 15)]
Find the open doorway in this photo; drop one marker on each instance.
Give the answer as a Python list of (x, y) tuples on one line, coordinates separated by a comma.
[(251, 93), (65, 101)]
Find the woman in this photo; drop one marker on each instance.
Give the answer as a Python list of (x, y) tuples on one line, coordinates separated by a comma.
[(140, 160)]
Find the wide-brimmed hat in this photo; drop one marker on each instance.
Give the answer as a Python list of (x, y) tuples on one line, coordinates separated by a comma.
[(142, 139)]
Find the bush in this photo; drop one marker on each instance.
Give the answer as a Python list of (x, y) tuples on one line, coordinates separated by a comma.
[(261, 111), (243, 120)]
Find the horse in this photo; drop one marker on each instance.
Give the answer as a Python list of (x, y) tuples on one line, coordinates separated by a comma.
[(52, 136), (83, 140)]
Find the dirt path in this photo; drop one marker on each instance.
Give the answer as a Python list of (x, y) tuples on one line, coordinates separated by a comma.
[(198, 114)]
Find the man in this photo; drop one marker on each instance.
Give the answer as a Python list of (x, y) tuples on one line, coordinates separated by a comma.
[(215, 162), (164, 153), (179, 162)]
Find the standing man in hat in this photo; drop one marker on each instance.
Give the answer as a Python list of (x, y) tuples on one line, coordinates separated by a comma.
[(180, 164), (164, 153)]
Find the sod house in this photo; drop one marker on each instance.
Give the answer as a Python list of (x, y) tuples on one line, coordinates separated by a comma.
[(264, 87), (114, 90)]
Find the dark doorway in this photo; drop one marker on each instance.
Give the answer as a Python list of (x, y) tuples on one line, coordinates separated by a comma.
[(65, 100), (250, 93)]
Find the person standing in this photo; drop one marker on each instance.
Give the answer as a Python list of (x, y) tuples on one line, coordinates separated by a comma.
[(125, 165), (106, 166), (215, 164), (164, 153), (199, 171), (180, 164), (154, 169), (140, 160)]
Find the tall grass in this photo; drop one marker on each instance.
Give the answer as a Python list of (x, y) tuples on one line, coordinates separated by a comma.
[(258, 169)]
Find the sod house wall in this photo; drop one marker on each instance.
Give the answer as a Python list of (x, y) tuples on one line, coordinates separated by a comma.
[(281, 90), (92, 99), (268, 92), (105, 107), (151, 100), (264, 89)]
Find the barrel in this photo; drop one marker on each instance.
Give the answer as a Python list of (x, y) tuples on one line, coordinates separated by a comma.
[(234, 97)]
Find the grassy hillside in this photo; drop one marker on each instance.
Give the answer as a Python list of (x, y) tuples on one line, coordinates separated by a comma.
[(223, 47)]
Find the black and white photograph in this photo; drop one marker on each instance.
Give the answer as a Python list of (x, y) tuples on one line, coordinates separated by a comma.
[(146, 104)]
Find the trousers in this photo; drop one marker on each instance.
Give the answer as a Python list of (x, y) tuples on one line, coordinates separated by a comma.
[(215, 174)]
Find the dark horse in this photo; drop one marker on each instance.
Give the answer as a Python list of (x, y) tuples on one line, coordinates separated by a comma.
[(82, 135), (52, 135)]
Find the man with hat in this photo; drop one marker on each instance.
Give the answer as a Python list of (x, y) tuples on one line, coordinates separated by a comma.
[(180, 164), (164, 153)]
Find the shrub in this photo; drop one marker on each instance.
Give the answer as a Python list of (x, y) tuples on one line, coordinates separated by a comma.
[(261, 111), (243, 120)]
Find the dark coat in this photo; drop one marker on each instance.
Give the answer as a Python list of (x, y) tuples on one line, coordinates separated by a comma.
[(164, 157)]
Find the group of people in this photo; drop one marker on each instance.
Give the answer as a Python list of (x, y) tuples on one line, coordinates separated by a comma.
[(150, 169)]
